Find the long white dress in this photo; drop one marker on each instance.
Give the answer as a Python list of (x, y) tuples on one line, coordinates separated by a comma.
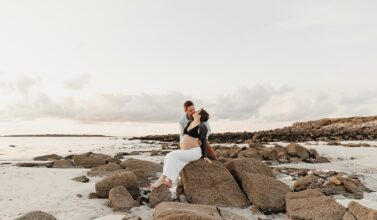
[(177, 159)]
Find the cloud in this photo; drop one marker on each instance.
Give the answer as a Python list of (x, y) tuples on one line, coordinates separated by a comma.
[(78, 83), (25, 84), (295, 106), (246, 101), (103, 108), (260, 102)]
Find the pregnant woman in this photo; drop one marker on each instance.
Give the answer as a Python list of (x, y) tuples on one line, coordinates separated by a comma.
[(193, 147)]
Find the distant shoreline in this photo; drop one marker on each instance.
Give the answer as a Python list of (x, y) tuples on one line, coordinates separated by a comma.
[(57, 135)]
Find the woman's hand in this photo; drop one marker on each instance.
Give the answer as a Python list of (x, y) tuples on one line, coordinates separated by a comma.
[(207, 160)]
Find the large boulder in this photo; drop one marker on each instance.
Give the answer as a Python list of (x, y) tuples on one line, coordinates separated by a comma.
[(348, 216), (250, 153), (296, 150), (310, 181), (211, 184), (89, 161), (169, 211), (121, 200), (185, 211), (47, 157), (361, 212), (36, 215), (313, 205), (158, 195), (266, 193), (104, 170), (125, 178), (146, 171), (238, 167), (63, 164)]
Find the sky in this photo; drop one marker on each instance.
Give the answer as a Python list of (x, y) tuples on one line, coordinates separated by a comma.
[(126, 67)]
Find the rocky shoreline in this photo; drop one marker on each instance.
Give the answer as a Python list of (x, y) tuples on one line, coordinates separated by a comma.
[(242, 177), (335, 129)]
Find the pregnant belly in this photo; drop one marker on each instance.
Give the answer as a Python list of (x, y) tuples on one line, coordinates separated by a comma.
[(189, 142)]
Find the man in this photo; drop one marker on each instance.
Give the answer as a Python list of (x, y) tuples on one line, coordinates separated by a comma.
[(189, 109)]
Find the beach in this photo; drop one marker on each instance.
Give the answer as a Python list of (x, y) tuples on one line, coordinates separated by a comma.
[(53, 191)]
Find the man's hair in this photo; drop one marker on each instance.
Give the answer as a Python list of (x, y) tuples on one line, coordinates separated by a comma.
[(188, 104), (204, 116)]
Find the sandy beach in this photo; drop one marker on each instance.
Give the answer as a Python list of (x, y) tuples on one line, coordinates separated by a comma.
[(53, 191)]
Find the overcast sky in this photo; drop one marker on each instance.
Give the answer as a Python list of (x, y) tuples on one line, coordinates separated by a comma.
[(126, 67)]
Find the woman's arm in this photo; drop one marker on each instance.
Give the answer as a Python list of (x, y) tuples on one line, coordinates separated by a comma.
[(203, 130)]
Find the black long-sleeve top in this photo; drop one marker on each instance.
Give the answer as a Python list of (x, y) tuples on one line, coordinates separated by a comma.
[(199, 131)]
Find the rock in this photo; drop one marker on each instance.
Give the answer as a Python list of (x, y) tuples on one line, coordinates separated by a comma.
[(308, 182), (256, 146), (159, 152), (228, 215), (119, 156), (250, 153), (36, 215), (361, 212), (280, 149), (47, 157), (169, 211), (233, 151), (82, 179), (121, 200), (199, 179), (357, 145), (93, 195), (296, 150), (348, 216), (158, 195), (146, 171), (268, 153), (350, 186), (238, 167), (135, 164), (103, 170), (27, 164), (321, 159), (266, 193), (313, 153), (295, 159), (89, 161), (125, 178), (63, 164), (335, 180), (313, 205), (333, 143), (129, 216)]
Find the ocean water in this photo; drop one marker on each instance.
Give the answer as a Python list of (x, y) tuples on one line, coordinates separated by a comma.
[(26, 148)]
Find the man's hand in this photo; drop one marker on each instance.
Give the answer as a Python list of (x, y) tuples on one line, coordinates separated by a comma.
[(207, 160)]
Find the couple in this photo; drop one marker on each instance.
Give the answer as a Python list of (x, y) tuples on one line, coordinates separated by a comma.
[(194, 132)]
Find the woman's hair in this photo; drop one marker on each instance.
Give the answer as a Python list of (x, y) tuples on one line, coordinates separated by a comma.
[(204, 116)]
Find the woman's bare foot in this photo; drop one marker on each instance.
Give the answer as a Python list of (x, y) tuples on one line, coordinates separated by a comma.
[(169, 182), (158, 183)]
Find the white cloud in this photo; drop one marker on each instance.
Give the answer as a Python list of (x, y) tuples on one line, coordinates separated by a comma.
[(78, 83), (102, 108), (25, 84)]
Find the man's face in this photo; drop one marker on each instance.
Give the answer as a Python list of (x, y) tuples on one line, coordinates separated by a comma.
[(190, 110)]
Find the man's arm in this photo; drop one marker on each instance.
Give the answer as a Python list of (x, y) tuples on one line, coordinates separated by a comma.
[(181, 128)]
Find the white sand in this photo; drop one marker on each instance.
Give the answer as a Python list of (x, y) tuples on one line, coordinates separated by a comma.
[(53, 191)]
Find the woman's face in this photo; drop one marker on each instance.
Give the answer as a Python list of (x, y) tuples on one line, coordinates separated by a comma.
[(196, 115)]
